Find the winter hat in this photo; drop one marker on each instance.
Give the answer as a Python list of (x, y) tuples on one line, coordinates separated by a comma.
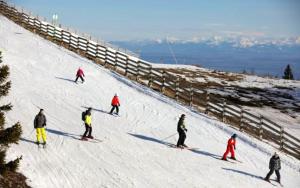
[(89, 109), (116, 94), (234, 136), (41, 110), (182, 115)]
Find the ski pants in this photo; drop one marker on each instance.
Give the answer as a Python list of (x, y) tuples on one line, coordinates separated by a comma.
[(88, 130), (41, 132), (271, 172), (181, 139), (113, 108), (80, 78), (229, 149)]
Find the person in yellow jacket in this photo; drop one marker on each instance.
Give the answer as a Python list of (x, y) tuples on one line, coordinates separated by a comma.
[(88, 124), (39, 124)]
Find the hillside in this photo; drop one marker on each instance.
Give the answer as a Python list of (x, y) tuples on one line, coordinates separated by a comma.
[(134, 151), (276, 99)]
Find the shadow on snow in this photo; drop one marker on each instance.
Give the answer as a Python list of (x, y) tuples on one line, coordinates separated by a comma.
[(97, 110), (195, 150), (66, 79), (243, 173)]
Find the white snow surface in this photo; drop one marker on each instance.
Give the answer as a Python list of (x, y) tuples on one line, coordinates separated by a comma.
[(134, 152)]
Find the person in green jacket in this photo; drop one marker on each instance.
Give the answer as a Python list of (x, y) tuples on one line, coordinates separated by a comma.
[(88, 124), (181, 131)]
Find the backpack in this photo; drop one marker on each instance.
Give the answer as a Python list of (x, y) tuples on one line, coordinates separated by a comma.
[(83, 115)]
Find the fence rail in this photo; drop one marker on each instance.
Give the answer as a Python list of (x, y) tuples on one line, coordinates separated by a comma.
[(165, 82)]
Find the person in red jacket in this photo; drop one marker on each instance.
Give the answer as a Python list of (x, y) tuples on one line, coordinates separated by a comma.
[(115, 104), (230, 148), (79, 74)]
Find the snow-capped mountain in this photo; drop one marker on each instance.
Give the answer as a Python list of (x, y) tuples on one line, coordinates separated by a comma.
[(263, 56)]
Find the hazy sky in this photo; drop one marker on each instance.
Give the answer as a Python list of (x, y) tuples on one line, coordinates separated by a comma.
[(184, 19)]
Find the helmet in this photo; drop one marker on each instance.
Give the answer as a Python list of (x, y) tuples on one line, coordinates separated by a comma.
[(234, 136)]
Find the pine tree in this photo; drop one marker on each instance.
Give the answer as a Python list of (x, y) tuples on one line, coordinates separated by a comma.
[(288, 74), (7, 135)]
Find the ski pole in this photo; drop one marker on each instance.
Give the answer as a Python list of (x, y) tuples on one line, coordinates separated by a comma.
[(31, 132), (168, 137)]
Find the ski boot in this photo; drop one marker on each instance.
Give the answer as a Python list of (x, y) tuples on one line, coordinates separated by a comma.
[(91, 137)]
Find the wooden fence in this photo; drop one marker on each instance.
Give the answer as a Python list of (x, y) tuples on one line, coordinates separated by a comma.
[(180, 89)]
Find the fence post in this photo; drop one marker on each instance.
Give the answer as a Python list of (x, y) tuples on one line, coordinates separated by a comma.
[(69, 42), (115, 60), (163, 82), (191, 95), (281, 138), (126, 65), (176, 88), (207, 103), (77, 45), (105, 57), (34, 29), (150, 78), (260, 127), (224, 110), (138, 71), (62, 37), (241, 119)]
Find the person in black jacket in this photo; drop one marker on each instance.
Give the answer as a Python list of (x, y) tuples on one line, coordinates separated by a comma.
[(274, 165), (181, 131), (39, 125)]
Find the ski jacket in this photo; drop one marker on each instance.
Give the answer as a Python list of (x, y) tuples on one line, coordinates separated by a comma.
[(115, 101), (274, 163), (231, 143), (40, 121), (181, 125), (80, 72), (88, 119)]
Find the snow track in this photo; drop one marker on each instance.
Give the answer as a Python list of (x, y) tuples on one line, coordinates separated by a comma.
[(134, 151)]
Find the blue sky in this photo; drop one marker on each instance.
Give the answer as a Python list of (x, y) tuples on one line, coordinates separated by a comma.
[(184, 19)]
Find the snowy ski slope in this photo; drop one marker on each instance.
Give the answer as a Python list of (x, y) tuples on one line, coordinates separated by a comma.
[(133, 152)]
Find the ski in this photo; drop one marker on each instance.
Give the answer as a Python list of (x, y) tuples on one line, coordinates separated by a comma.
[(236, 160), (93, 140), (267, 181), (41, 146), (175, 146), (226, 160), (114, 114), (277, 182)]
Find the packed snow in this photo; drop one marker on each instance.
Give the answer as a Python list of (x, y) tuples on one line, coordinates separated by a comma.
[(134, 151)]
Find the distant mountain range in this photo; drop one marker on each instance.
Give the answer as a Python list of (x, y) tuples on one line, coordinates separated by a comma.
[(236, 41), (263, 57)]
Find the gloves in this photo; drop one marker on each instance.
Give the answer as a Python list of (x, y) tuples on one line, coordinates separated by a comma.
[(185, 130), (234, 148)]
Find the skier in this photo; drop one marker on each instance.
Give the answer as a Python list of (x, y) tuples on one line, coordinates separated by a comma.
[(230, 148), (274, 165), (80, 75), (115, 104), (88, 124), (181, 131), (39, 125)]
